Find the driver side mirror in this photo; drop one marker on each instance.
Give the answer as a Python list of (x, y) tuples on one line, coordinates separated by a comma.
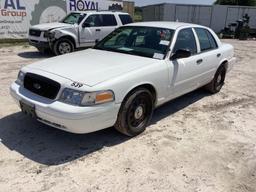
[(85, 25), (181, 53)]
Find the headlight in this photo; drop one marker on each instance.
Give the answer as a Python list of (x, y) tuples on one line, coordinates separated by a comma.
[(79, 98), (20, 79), (48, 34)]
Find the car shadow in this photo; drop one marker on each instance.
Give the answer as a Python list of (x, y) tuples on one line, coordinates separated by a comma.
[(178, 104), (35, 55), (49, 146)]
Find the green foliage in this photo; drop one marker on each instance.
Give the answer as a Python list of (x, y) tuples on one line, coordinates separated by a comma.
[(138, 14), (236, 2)]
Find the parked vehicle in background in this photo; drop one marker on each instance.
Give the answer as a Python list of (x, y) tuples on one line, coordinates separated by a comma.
[(124, 77), (76, 30)]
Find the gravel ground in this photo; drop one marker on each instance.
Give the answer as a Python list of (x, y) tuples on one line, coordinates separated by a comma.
[(196, 143)]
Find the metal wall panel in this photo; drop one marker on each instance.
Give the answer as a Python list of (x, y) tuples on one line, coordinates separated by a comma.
[(252, 13), (205, 15), (169, 12), (232, 15), (181, 13), (217, 17)]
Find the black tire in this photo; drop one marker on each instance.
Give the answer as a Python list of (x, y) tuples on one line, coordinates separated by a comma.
[(63, 46), (218, 82), (135, 113)]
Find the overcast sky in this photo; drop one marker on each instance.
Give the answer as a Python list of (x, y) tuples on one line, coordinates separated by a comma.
[(148, 2)]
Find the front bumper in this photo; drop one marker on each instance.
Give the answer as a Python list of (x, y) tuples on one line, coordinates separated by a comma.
[(79, 120), (39, 44)]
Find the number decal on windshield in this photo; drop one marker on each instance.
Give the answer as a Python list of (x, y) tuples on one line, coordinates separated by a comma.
[(77, 85)]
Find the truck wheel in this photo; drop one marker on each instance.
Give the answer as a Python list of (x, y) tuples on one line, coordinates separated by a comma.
[(219, 80), (63, 46), (135, 113)]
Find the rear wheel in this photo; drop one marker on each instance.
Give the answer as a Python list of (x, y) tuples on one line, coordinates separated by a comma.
[(63, 46), (219, 80), (135, 113)]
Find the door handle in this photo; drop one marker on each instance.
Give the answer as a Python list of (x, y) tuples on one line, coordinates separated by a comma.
[(219, 55), (98, 29), (199, 61)]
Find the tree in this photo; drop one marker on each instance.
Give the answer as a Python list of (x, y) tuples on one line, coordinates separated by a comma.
[(236, 2)]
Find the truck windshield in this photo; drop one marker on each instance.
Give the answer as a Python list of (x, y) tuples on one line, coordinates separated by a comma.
[(74, 18), (149, 42)]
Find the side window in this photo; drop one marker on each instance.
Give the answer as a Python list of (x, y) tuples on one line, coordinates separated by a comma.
[(212, 40), (94, 20), (81, 18), (206, 40), (186, 40), (125, 19), (108, 20)]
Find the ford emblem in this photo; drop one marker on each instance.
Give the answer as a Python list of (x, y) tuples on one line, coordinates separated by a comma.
[(37, 86)]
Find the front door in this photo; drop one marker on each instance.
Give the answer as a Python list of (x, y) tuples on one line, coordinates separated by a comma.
[(91, 32), (185, 72)]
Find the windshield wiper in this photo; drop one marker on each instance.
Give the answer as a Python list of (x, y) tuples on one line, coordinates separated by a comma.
[(131, 52), (141, 54)]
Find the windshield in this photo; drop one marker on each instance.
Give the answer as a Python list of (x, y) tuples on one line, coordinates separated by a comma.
[(141, 41), (73, 18)]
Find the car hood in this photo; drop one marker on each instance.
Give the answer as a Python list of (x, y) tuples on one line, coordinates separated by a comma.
[(49, 26), (92, 66)]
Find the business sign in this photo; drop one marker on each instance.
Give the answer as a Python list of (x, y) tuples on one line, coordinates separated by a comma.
[(83, 5), (16, 16)]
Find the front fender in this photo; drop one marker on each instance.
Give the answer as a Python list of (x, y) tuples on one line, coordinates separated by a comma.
[(59, 33)]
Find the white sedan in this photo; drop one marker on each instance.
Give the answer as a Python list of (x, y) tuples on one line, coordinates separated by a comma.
[(124, 77)]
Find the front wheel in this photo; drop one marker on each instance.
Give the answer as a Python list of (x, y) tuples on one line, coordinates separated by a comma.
[(63, 46), (219, 80), (135, 113)]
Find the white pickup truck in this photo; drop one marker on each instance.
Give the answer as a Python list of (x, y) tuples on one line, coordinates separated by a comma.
[(120, 83), (76, 30)]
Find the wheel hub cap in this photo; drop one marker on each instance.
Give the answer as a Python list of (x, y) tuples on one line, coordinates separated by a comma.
[(139, 112), (64, 48)]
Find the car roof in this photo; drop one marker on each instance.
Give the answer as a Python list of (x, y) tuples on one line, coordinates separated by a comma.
[(100, 12), (164, 24)]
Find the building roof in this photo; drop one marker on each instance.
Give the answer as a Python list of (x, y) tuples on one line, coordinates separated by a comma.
[(164, 24)]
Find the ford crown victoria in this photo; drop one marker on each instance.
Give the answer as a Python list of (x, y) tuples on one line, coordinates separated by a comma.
[(120, 81)]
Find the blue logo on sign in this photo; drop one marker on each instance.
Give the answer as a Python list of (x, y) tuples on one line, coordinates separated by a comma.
[(82, 5), (14, 4)]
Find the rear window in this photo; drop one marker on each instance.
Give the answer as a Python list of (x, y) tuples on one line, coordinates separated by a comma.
[(125, 19), (109, 20)]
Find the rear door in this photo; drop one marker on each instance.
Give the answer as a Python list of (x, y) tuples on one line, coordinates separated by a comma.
[(209, 53), (108, 24)]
